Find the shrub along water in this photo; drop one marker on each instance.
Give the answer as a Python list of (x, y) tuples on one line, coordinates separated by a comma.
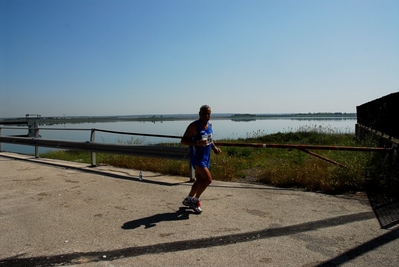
[(274, 166)]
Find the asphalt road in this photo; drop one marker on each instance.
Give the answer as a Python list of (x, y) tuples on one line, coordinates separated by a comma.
[(60, 213)]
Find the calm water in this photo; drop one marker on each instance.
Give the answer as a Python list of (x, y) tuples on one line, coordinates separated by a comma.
[(223, 128)]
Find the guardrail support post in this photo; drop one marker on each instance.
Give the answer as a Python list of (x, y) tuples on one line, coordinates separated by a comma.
[(93, 154), (0, 142), (192, 173), (36, 125), (33, 130)]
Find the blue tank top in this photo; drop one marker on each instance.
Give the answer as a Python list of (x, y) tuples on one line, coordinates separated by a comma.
[(200, 155)]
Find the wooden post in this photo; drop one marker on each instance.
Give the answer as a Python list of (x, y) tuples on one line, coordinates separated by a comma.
[(93, 154)]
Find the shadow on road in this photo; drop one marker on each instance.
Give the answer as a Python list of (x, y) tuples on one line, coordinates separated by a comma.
[(151, 221)]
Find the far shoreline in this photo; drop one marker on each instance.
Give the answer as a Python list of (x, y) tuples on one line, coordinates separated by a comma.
[(175, 117)]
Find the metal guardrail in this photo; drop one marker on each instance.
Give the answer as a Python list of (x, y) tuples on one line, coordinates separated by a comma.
[(137, 150), (154, 151)]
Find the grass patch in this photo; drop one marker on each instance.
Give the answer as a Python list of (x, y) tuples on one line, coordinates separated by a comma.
[(277, 167)]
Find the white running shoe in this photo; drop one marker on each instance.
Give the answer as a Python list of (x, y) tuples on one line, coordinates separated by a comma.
[(196, 206)]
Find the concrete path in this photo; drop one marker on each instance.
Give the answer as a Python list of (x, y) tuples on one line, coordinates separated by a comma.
[(56, 213)]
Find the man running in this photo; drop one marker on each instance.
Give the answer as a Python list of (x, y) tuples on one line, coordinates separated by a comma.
[(198, 136)]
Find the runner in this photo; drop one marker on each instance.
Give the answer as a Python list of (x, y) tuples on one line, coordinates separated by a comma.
[(198, 136)]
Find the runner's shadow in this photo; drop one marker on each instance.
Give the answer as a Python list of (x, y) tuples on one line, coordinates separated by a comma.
[(151, 221)]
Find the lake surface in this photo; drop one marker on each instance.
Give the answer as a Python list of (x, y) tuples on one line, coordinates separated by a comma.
[(223, 129)]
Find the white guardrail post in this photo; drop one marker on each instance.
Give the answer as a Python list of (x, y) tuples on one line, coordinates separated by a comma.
[(192, 172), (36, 129), (93, 154)]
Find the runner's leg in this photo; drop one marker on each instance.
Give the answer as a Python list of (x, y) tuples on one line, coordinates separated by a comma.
[(204, 179)]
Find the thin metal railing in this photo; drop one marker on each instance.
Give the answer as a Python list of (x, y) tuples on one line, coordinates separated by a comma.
[(140, 134)]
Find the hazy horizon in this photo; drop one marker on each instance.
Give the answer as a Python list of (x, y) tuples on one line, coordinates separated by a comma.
[(185, 114)]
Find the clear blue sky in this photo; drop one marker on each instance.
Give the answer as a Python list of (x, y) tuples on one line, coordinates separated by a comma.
[(122, 57)]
